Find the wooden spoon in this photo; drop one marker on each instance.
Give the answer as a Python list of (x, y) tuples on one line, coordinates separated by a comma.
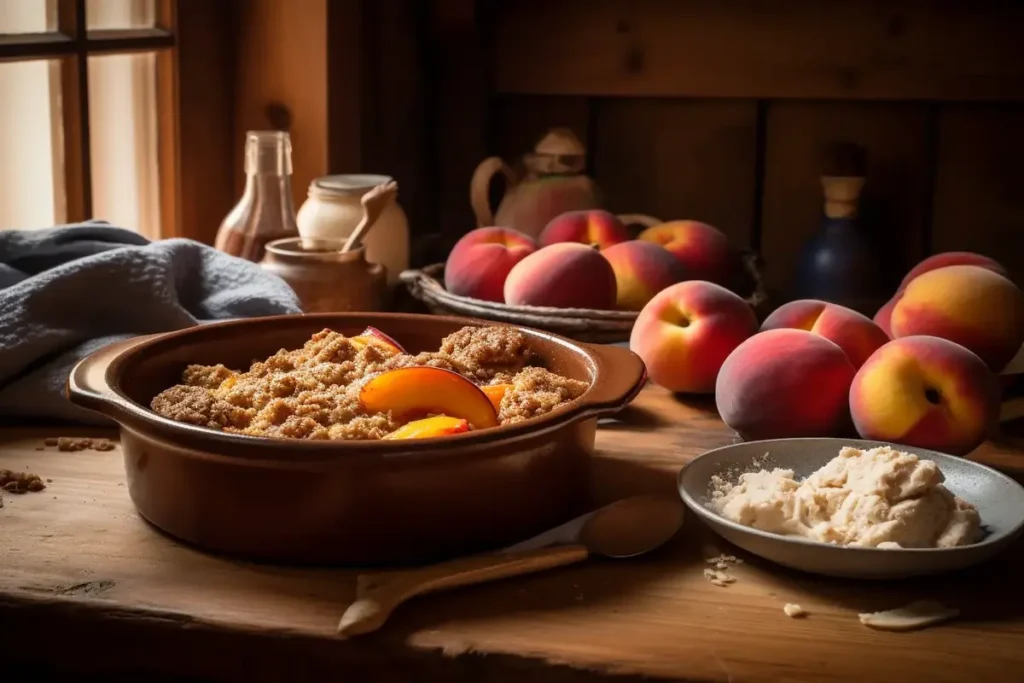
[(626, 528), (373, 203)]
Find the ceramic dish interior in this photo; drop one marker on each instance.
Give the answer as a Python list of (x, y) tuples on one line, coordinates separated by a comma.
[(354, 501), (999, 500)]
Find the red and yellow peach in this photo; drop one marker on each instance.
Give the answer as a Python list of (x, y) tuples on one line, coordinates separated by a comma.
[(564, 275), (952, 258), (785, 383), (855, 334), (481, 260), (641, 270), (686, 331), (593, 228), (927, 392), (972, 306), (702, 249)]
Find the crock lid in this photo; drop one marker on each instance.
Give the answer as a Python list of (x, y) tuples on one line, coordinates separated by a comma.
[(349, 183)]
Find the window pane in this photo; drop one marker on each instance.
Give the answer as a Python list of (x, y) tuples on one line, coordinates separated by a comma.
[(31, 152), (101, 15), (28, 16), (123, 141)]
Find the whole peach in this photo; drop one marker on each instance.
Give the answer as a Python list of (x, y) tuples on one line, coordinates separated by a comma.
[(686, 332), (972, 306), (883, 318), (855, 334), (701, 248), (641, 270), (596, 227), (566, 275), (785, 383), (481, 260), (952, 258), (927, 392)]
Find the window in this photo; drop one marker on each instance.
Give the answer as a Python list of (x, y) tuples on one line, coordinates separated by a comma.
[(88, 95)]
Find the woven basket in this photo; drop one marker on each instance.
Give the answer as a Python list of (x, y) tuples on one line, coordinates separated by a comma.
[(581, 324)]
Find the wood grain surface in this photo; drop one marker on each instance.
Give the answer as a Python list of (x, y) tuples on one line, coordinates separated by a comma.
[(89, 585)]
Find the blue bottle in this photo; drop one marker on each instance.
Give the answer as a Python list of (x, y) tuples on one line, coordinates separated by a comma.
[(839, 264)]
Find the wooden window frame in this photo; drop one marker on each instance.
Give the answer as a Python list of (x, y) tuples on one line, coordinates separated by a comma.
[(71, 45)]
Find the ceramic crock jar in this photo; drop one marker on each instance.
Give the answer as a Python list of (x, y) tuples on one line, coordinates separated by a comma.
[(332, 210), (326, 279)]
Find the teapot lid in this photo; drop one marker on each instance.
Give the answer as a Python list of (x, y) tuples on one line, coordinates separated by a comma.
[(560, 142), (560, 151)]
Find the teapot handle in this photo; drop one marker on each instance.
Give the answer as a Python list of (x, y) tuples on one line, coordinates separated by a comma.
[(479, 188)]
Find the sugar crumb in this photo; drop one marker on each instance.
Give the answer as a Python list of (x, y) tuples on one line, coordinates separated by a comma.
[(794, 611)]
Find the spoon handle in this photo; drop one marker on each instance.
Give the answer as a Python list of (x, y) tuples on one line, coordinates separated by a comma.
[(377, 595), (373, 203)]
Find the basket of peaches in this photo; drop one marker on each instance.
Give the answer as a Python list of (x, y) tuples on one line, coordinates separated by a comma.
[(585, 276)]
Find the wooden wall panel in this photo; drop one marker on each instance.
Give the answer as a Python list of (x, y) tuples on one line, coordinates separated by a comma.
[(979, 184), (895, 197), (910, 50), (679, 159), (282, 83), (206, 127)]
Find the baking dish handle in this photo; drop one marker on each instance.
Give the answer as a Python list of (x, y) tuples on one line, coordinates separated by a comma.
[(87, 385), (621, 374)]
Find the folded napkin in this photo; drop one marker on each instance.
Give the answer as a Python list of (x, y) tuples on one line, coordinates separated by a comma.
[(69, 290)]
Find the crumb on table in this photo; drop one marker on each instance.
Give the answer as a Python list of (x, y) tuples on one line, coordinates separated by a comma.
[(20, 482), (794, 611), (75, 443)]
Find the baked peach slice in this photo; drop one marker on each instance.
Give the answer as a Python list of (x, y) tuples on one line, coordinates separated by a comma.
[(415, 392), (371, 335), (429, 427), (496, 392)]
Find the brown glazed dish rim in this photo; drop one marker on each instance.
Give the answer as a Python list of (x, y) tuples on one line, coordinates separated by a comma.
[(616, 377)]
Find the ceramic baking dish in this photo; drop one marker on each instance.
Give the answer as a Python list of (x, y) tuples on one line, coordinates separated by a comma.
[(347, 502)]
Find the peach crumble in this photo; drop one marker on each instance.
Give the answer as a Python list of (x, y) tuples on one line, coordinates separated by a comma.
[(368, 387)]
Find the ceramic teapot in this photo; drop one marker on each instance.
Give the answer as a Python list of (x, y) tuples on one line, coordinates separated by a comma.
[(554, 182)]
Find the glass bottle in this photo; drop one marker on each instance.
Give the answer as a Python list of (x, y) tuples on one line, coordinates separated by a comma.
[(266, 210)]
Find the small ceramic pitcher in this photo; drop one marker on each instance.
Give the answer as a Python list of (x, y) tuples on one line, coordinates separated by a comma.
[(327, 279)]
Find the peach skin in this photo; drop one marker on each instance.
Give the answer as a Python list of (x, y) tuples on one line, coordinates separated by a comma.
[(884, 317), (702, 249), (415, 392), (565, 275), (641, 270), (855, 334), (785, 383), (496, 392), (594, 228), (972, 306), (952, 258), (686, 331), (371, 335), (927, 392), (430, 427), (481, 260)]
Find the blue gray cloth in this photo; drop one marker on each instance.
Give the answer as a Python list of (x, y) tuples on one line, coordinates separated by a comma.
[(69, 290)]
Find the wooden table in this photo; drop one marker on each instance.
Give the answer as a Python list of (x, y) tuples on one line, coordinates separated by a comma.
[(89, 586)]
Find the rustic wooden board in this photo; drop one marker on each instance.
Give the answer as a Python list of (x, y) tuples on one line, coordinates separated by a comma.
[(78, 567), (979, 203), (680, 159), (745, 48), (895, 196)]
